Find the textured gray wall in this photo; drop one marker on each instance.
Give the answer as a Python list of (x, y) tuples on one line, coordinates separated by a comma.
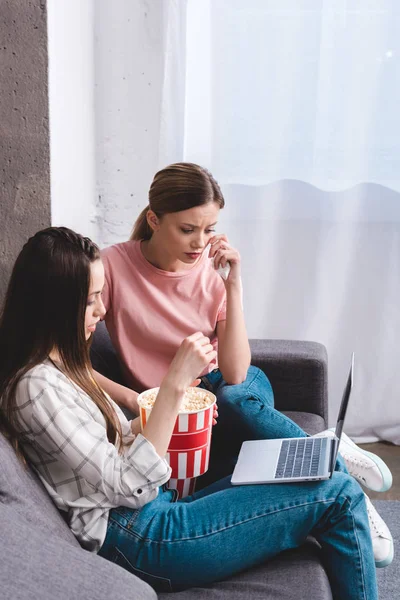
[(24, 128)]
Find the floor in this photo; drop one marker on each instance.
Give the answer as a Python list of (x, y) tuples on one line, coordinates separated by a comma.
[(391, 455)]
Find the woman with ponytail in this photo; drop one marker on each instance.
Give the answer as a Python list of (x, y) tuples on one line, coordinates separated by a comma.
[(108, 482), (162, 285)]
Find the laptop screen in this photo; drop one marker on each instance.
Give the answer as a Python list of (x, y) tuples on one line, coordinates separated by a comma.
[(342, 412)]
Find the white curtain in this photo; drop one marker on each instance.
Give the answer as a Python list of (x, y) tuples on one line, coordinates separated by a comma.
[(294, 106)]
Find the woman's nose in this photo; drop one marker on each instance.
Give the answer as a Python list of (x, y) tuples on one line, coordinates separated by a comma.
[(101, 309), (199, 242)]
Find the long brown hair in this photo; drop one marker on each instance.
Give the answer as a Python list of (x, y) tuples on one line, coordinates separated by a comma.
[(177, 187), (44, 309)]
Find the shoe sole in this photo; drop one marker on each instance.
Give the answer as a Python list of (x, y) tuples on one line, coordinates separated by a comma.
[(386, 562), (383, 468)]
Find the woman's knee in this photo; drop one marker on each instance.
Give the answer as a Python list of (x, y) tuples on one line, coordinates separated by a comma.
[(255, 386), (345, 485)]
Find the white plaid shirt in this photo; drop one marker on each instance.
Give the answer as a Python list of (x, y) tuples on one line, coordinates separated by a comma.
[(65, 439)]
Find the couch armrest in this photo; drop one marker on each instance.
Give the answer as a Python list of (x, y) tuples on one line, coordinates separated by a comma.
[(298, 372), (36, 565)]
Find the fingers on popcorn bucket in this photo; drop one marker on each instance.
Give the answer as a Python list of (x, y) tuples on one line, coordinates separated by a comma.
[(189, 449)]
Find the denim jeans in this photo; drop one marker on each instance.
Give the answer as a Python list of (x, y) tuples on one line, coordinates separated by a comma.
[(223, 529)]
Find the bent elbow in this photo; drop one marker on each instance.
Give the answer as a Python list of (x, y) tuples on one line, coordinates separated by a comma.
[(235, 378)]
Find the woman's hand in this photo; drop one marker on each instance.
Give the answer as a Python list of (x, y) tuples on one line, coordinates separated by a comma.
[(195, 383), (194, 354), (215, 414), (222, 252), (135, 426)]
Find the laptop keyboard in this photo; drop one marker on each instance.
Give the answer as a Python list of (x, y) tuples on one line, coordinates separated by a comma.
[(300, 457)]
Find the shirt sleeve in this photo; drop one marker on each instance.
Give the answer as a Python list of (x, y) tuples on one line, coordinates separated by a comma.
[(222, 312), (127, 435), (67, 432)]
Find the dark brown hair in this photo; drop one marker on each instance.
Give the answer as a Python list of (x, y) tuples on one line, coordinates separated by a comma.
[(44, 309), (177, 187)]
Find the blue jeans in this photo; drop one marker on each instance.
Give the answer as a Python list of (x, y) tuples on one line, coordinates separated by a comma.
[(223, 529)]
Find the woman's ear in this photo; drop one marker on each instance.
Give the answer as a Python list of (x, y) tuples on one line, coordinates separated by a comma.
[(152, 220)]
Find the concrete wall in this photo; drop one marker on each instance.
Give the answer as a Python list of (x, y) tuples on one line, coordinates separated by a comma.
[(24, 128)]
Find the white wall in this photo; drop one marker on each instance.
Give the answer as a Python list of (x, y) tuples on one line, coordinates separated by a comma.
[(128, 87), (71, 108), (106, 86)]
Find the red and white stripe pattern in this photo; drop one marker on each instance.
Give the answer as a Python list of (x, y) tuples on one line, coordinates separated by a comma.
[(189, 449), (184, 487)]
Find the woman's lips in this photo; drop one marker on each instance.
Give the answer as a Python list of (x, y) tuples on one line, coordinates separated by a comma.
[(193, 254)]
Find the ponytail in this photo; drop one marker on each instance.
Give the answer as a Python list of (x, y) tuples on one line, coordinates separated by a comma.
[(141, 228)]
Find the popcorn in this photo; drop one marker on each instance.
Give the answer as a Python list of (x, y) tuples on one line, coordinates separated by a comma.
[(193, 400)]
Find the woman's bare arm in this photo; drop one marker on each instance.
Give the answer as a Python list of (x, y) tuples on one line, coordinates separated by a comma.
[(233, 344)]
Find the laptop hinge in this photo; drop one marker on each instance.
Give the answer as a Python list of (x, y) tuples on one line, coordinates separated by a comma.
[(333, 455)]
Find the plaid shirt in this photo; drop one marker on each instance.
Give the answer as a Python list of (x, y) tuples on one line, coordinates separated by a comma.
[(65, 439)]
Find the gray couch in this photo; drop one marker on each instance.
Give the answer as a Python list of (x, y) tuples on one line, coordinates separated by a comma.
[(41, 559)]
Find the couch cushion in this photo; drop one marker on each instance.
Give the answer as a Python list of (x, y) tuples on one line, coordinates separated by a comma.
[(35, 565), (292, 575), (309, 422), (21, 489)]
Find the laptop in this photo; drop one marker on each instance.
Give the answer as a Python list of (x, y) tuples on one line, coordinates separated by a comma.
[(292, 459)]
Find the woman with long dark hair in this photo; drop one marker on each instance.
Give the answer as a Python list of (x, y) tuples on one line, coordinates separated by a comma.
[(108, 481)]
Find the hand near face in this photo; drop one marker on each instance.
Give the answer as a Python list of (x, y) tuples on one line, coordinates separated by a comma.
[(224, 253)]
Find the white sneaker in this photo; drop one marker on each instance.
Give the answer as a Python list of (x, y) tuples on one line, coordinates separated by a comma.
[(367, 468), (382, 541)]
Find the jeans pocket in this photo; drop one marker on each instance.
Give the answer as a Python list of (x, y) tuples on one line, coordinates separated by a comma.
[(159, 584)]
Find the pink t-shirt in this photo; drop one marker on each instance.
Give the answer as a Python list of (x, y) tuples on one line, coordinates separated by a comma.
[(150, 311)]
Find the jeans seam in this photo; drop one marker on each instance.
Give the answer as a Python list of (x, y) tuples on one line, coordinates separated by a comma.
[(156, 578), (362, 575), (244, 521), (130, 523), (359, 553)]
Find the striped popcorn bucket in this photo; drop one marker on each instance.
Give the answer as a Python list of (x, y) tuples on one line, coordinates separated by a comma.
[(189, 449)]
